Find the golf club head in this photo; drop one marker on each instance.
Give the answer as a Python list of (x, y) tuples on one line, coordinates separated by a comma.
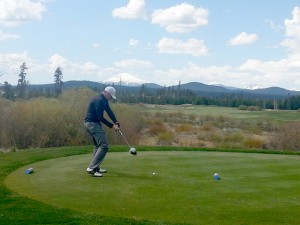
[(133, 151)]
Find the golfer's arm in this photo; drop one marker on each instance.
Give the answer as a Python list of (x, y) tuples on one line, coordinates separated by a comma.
[(106, 122), (111, 115)]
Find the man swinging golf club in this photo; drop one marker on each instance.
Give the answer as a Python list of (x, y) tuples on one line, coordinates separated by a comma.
[(93, 124)]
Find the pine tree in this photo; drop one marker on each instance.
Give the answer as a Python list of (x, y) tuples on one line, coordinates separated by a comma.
[(8, 91), (21, 87), (58, 81)]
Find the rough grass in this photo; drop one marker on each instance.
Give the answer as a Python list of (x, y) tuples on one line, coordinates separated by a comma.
[(52, 122), (287, 137), (226, 112), (208, 126)]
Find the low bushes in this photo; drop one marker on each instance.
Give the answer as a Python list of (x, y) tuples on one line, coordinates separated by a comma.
[(222, 132), (249, 108), (48, 122), (287, 137)]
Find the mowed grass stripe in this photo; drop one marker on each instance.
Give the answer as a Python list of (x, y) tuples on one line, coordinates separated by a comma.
[(254, 188)]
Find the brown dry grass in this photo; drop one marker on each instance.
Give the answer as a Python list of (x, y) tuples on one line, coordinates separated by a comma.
[(177, 129)]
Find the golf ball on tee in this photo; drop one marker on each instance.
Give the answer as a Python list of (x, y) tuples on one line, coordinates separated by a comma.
[(216, 176)]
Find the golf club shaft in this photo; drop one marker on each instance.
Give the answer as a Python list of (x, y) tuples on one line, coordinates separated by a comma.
[(124, 138)]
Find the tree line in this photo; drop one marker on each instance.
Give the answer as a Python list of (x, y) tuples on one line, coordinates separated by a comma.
[(176, 96), (173, 95), (22, 90)]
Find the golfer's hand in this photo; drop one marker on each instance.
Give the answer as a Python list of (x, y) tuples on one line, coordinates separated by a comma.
[(115, 127)]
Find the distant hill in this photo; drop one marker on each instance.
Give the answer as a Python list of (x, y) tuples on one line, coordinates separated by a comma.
[(152, 85), (214, 90), (275, 90), (197, 87), (83, 83)]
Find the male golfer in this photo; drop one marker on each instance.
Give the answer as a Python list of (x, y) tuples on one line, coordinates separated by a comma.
[(93, 123)]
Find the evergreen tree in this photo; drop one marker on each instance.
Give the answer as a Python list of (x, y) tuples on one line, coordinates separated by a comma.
[(179, 85), (142, 92), (58, 81), (21, 87), (8, 91)]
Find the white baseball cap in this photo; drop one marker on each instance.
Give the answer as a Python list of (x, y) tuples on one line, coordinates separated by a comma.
[(111, 91)]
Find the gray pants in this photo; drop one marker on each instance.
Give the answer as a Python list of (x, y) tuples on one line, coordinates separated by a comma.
[(100, 143)]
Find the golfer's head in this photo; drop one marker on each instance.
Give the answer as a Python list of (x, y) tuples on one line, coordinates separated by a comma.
[(110, 93)]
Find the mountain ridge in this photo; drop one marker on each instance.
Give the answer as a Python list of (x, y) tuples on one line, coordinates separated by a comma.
[(198, 88)]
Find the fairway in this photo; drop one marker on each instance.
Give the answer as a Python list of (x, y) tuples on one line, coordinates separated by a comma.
[(254, 188), (228, 112)]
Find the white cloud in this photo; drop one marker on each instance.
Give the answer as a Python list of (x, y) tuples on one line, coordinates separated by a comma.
[(268, 74), (6, 36), (134, 10), (180, 18), (10, 65), (133, 42), (39, 73), (292, 32), (257, 67), (133, 64), (293, 25), (282, 73), (193, 47), (58, 61), (273, 26), (13, 61), (243, 39), (89, 67), (70, 67), (195, 73), (15, 12)]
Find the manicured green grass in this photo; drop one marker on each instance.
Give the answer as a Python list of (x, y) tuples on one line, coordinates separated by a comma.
[(20, 210), (254, 188)]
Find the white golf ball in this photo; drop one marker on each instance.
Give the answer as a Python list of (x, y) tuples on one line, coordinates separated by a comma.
[(153, 173)]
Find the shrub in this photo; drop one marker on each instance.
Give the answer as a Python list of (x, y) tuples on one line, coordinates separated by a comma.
[(131, 123), (184, 128), (254, 142), (234, 137), (207, 127), (165, 137), (253, 108), (157, 128), (228, 140), (242, 107), (192, 117), (216, 138), (48, 122), (287, 137)]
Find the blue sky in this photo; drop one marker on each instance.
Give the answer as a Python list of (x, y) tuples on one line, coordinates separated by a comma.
[(234, 43)]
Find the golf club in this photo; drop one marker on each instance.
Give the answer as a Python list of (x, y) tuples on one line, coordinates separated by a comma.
[(132, 150)]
